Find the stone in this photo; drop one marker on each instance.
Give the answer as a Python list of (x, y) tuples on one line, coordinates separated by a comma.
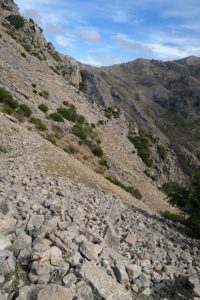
[(84, 291), (194, 282), (54, 292), (7, 262), (133, 271), (144, 280), (35, 222), (131, 239), (120, 273), (90, 251), (29, 292), (105, 285), (5, 242), (111, 237), (146, 292), (56, 256), (145, 263), (24, 257), (22, 241), (69, 279)]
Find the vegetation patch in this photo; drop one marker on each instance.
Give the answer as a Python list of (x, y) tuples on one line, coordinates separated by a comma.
[(38, 123), (104, 163), (112, 112), (27, 47), (3, 149), (23, 54), (83, 83), (130, 189), (142, 143), (162, 152), (16, 21), (56, 117), (44, 94), (43, 107), (6, 98), (24, 109), (98, 151), (68, 114), (7, 110), (186, 197), (173, 216)]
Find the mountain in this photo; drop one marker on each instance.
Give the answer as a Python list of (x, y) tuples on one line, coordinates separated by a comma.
[(82, 158), (162, 97)]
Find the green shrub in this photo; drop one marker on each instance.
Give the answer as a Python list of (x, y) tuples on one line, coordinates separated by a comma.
[(80, 131), (34, 91), (51, 139), (173, 216), (80, 119), (27, 47), (134, 192), (142, 144), (7, 98), (104, 163), (162, 152), (43, 107), (16, 21), (23, 54), (111, 112), (83, 86), (3, 149), (56, 56), (186, 198), (44, 94), (116, 182), (98, 151), (8, 110), (68, 113), (70, 149), (38, 123), (34, 85), (130, 189), (56, 117), (25, 110)]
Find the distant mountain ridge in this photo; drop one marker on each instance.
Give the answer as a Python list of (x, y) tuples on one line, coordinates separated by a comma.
[(161, 96)]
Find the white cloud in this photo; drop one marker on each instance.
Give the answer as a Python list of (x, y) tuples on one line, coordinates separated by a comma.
[(91, 35), (66, 41), (128, 44)]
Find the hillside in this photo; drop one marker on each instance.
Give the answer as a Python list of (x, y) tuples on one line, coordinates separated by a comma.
[(79, 196), (160, 96)]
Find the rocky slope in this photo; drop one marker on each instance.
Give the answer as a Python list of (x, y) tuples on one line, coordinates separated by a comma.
[(74, 225)]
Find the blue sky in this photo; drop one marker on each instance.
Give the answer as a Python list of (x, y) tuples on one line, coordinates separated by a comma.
[(101, 32)]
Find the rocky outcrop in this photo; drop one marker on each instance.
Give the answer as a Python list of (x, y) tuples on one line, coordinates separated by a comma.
[(8, 7)]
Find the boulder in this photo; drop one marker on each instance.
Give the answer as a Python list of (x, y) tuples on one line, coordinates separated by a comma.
[(104, 285), (7, 262), (54, 292), (111, 237), (5, 242), (133, 271), (90, 251)]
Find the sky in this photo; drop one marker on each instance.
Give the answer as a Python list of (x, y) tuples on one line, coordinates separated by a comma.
[(105, 32)]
